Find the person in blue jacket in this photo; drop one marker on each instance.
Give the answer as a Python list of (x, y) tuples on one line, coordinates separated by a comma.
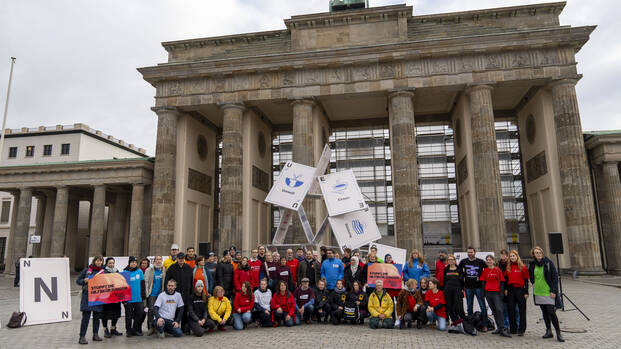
[(415, 268), (332, 269)]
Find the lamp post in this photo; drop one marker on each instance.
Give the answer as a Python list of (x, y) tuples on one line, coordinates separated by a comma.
[(6, 107)]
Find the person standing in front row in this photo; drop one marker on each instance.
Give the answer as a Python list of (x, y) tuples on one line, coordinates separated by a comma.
[(111, 311), (517, 276), (134, 308), (544, 277), (154, 282), (494, 286), (473, 268), (95, 268), (454, 291), (332, 269)]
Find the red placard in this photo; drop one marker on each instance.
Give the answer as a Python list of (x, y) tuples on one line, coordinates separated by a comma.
[(385, 272), (109, 288)]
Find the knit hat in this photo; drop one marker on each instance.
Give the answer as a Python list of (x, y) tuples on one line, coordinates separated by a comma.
[(443, 250), (131, 259), (199, 283), (386, 256)]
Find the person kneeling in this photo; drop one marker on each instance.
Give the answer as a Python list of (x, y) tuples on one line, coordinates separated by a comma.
[(410, 305), (219, 310), (322, 302), (356, 303), (380, 307), (283, 306), (262, 307), (434, 299), (243, 304), (168, 310), (305, 300), (197, 311), (337, 303)]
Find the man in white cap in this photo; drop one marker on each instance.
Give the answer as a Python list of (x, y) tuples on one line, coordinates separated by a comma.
[(172, 259)]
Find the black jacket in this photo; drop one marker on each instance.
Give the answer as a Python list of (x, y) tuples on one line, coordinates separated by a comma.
[(337, 300), (197, 309), (549, 272), (224, 276), (349, 278), (362, 297), (303, 271), (322, 298), (183, 276)]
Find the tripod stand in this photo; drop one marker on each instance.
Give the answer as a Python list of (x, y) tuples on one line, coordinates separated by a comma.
[(564, 296)]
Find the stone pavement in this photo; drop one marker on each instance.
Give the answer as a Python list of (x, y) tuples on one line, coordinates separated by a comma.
[(601, 303)]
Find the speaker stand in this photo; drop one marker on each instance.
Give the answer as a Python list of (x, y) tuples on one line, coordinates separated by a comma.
[(564, 296)]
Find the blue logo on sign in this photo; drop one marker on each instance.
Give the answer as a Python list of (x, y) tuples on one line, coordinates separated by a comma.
[(357, 226), (293, 182), (339, 187)]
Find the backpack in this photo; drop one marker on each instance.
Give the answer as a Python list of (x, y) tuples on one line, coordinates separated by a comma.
[(17, 320), (350, 313), (459, 328), (468, 326)]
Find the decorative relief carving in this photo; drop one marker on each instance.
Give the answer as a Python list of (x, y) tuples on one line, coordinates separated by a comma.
[(414, 68), (260, 179), (199, 181), (362, 73), (288, 78), (174, 88), (465, 64), (197, 86), (493, 61), (219, 84), (387, 71), (440, 66), (548, 57), (536, 167), (531, 130), (336, 75), (241, 82), (265, 81), (462, 170), (312, 77), (520, 59)]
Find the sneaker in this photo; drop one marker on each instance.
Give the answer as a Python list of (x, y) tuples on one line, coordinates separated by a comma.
[(484, 329), (115, 332), (107, 333), (222, 329), (82, 340), (96, 338), (161, 335), (275, 324), (139, 333), (505, 333)]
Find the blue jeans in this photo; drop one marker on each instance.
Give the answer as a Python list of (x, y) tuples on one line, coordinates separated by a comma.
[(168, 327), (433, 317), (308, 311), (478, 292), (239, 320), (86, 316)]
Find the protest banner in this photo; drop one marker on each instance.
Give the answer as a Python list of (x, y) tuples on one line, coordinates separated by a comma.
[(388, 273), (399, 255), (104, 288), (341, 193), (355, 229), (291, 186), (44, 290)]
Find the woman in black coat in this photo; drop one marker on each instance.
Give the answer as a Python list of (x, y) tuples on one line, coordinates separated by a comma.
[(352, 273), (544, 277), (111, 311), (224, 276), (95, 268)]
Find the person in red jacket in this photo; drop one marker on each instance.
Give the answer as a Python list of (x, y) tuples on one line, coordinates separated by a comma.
[(493, 283), (436, 304), (517, 276), (242, 274), (255, 269), (440, 265), (283, 306), (293, 263), (242, 306)]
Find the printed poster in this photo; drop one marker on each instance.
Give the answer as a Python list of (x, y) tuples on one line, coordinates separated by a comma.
[(341, 193), (355, 229), (385, 272), (109, 288), (291, 186)]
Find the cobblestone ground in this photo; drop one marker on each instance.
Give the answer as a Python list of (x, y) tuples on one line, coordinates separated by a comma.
[(601, 303)]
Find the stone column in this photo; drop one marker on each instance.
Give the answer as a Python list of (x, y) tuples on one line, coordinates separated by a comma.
[(134, 245), (96, 240), (36, 248), (10, 255), (48, 223), (302, 149), (59, 230), (610, 213), (231, 196), (22, 226), (406, 192), (490, 208), (115, 238), (163, 222), (584, 248), (71, 237)]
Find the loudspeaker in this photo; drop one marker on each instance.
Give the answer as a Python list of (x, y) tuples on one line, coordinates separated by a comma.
[(556, 242), (204, 248)]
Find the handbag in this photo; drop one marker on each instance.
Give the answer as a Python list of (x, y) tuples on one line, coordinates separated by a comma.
[(18, 319)]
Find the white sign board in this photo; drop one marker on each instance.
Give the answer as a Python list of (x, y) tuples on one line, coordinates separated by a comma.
[(463, 255), (355, 229), (291, 186), (44, 290), (399, 255), (322, 166), (341, 193), (35, 239), (121, 262)]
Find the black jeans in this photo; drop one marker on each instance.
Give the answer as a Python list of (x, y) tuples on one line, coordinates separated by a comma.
[(134, 314), (199, 330), (265, 319), (86, 316), (454, 303), (494, 299), (337, 316), (516, 296), (549, 315)]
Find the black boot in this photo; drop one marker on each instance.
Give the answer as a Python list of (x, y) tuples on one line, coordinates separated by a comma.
[(83, 341), (548, 333), (115, 332), (559, 337), (96, 338), (107, 333), (505, 333)]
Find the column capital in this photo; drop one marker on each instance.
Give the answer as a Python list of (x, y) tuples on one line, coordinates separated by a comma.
[(99, 185), (559, 82), (303, 101), (138, 184), (406, 92), (470, 88), (165, 109), (26, 189), (225, 106)]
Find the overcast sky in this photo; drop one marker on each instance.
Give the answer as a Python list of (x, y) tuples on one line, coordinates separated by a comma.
[(77, 60)]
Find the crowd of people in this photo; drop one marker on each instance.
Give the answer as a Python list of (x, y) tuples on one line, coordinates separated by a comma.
[(190, 294)]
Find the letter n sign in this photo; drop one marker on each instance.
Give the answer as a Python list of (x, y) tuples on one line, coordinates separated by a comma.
[(45, 290), (40, 285)]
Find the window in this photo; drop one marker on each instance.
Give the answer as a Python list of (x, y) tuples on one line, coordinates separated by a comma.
[(47, 150), (12, 152), (30, 151), (64, 149), (5, 212), (2, 248)]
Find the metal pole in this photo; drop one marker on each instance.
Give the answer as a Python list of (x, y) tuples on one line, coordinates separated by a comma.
[(6, 107)]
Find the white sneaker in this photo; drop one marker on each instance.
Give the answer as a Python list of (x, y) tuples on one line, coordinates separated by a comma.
[(161, 335)]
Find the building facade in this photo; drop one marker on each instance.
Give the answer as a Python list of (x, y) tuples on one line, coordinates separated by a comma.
[(82, 192), (463, 129)]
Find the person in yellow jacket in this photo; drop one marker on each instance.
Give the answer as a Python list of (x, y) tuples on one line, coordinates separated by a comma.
[(172, 259), (219, 310), (380, 307)]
